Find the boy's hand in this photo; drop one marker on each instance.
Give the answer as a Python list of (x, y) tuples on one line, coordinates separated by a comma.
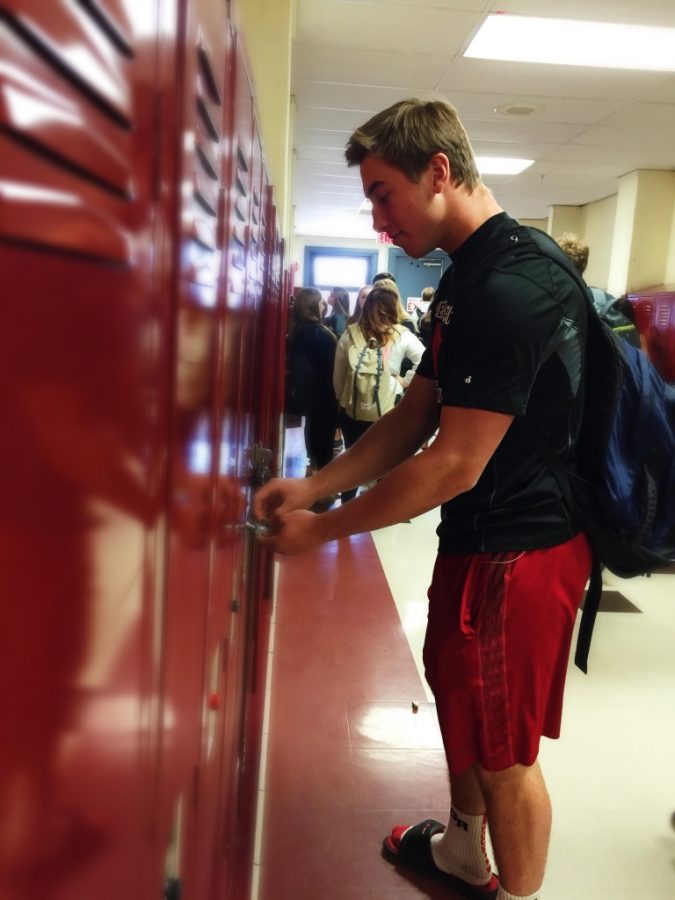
[(292, 533), (282, 495)]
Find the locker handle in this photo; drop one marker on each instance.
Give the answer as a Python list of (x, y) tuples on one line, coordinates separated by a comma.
[(256, 526)]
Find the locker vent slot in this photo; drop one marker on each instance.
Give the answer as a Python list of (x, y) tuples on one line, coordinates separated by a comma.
[(203, 233), (65, 139), (206, 70), (240, 186), (238, 211), (208, 164), (205, 194), (102, 88), (52, 156), (241, 159), (662, 315), (206, 117), (112, 29)]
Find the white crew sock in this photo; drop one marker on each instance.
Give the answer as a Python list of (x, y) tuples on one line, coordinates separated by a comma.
[(504, 895), (460, 849)]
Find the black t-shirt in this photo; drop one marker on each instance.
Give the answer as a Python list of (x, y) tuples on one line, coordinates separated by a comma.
[(508, 337)]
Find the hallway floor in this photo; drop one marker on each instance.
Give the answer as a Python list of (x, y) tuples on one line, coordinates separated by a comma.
[(347, 757)]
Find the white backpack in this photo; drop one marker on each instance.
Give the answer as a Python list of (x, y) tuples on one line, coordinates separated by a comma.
[(367, 393)]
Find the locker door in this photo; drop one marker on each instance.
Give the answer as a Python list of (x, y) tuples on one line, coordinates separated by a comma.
[(207, 507), (273, 333), (240, 460), (83, 325)]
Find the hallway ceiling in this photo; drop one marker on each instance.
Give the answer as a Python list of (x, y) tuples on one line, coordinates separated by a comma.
[(588, 127)]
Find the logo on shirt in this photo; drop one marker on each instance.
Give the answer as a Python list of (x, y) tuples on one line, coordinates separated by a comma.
[(444, 311)]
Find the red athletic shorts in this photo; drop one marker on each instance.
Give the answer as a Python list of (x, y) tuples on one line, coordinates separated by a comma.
[(497, 648)]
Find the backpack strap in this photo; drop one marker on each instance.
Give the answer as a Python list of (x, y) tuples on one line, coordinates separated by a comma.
[(590, 611), (378, 378), (594, 591), (544, 244)]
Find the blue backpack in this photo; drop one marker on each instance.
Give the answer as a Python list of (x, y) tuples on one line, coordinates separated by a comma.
[(623, 492)]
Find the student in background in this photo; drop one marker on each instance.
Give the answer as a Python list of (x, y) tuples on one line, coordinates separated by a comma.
[(402, 315), (378, 327), (423, 307), (338, 310), (426, 328), (358, 306), (382, 276), (311, 357), (607, 306)]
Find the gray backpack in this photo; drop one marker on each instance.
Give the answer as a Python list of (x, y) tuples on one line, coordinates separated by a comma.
[(368, 392)]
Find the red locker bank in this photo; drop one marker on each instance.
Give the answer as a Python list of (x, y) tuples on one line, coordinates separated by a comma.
[(655, 320), (142, 286)]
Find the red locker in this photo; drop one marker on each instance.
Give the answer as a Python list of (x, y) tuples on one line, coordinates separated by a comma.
[(242, 276), (142, 341), (655, 320), (197, 616), (85, 326)]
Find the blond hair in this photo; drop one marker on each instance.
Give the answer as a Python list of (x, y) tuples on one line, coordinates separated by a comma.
[(575, 248), (390, 285)]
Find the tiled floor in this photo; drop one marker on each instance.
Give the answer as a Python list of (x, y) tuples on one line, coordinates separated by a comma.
[(347, 756)]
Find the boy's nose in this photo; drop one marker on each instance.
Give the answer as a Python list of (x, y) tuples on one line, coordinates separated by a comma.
[(379, 221)]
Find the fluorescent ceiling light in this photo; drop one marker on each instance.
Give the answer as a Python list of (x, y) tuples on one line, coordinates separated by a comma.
[(502, 165), (572, 43)]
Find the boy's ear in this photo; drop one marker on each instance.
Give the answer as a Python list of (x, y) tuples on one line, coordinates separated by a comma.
[(439, 165)]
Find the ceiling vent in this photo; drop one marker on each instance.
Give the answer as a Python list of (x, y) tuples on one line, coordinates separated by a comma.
[(516, 110)]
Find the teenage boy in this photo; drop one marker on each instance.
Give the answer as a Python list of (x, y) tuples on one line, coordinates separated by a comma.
[(506, 357)]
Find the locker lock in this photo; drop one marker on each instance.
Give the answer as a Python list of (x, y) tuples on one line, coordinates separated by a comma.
[(257, 527)]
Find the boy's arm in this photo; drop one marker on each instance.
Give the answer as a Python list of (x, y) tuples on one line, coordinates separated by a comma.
[(454, 462), (390, 440)]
